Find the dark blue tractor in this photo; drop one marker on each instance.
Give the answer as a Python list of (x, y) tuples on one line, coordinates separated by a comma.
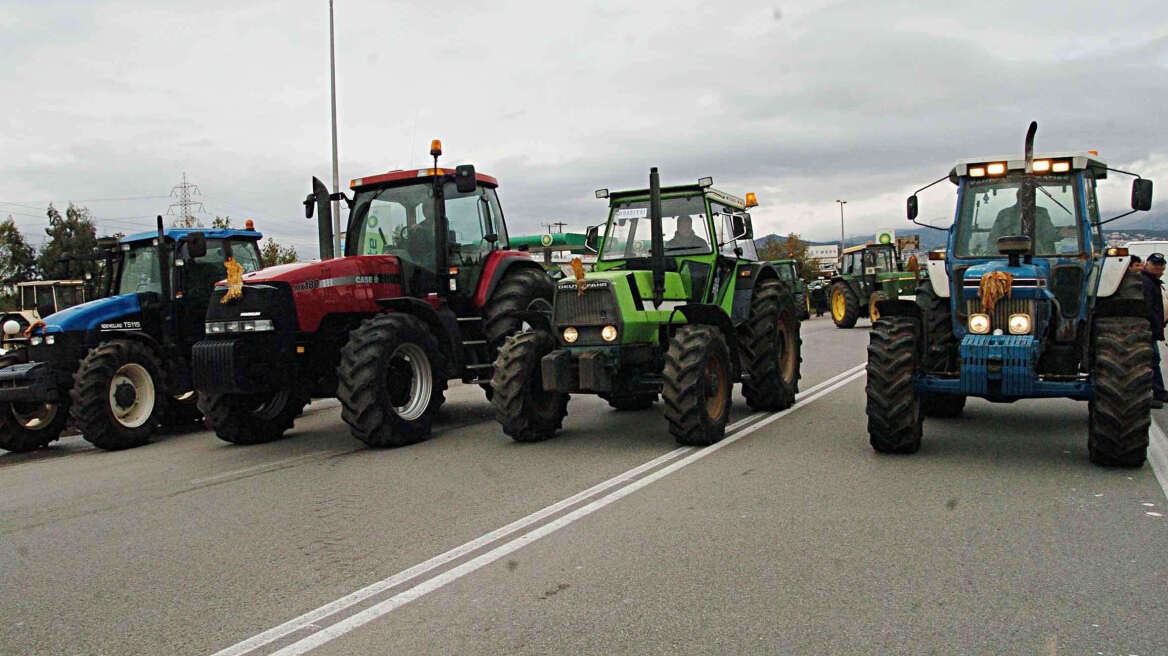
[(119, 366), (1026, 301)]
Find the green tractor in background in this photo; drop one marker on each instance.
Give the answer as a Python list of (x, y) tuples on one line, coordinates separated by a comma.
[(683, 318), (789, 272), (866, 275)]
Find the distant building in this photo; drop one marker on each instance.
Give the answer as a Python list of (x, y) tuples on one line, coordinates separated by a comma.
[(826, 256)]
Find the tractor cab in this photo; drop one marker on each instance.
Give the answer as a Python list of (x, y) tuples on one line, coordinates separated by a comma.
[(441, 224)]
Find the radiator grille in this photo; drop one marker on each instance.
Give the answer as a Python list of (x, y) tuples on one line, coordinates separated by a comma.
[(1000, 316), (595, 306)]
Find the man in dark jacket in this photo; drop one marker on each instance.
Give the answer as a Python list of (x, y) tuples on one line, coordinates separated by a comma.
[(1153, 270)]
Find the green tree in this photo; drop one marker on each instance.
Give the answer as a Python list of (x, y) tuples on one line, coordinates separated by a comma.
[(187, 221), (68, 253), (791, 248), (273, 253), (221, 223), (17, 261)]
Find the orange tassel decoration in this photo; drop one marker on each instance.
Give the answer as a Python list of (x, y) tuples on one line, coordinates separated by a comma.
[(994, 286), (234, 280), (578, 269)]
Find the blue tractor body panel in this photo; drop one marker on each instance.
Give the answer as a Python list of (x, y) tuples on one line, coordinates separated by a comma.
[(90, 316)]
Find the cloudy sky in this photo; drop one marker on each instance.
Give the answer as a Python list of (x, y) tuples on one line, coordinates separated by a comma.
[(802, 103)]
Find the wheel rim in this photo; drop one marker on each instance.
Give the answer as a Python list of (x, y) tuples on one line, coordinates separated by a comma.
[(131, 395), (411, 381), (839, 306), (716, 381), (34, 416), (873, 313)]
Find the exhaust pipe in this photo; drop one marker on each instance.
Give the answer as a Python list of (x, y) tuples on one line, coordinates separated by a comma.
[(657, 255), (324, 219), (1026, 192)]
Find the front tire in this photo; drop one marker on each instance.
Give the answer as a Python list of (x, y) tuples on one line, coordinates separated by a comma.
[(1119, 415), (940, 355), (118, 395), (894, 408), (391, 380), (845, 307), (526, 411), (772, 349), (697, 385), (252, 418), (30, 426), (521, 290)]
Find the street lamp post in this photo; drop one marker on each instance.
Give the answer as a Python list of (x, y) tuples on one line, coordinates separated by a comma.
[(841, 204), (333, 96)]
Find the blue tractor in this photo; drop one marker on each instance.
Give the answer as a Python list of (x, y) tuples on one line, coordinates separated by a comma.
[(1025, 301), (118, 366)]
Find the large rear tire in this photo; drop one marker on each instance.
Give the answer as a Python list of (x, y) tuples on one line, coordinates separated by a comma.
[(525, 410), (697, 385), (772, 349), (119, 394), (894, 412), (391, 380), (1119, 415), (252, 418), (845, 307)]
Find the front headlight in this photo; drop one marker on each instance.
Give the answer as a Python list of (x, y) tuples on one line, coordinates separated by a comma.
[(979, 324), (35, 341), (247, 326), (1019, 324), (571, 335), (608, 333), (50, 339)]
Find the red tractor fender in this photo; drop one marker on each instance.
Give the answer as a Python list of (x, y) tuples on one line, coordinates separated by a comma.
[(497, 265)]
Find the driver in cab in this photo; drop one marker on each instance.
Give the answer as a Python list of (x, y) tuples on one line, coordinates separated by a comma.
[(1009, 224), (684, 236)]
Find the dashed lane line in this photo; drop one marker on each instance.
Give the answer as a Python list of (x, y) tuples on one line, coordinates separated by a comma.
[(629, 482)]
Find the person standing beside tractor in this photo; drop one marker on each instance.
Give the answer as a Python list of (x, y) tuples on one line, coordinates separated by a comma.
[(1153, 295)]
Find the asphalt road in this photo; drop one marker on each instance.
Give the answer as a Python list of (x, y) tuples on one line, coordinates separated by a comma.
[(791, 536)]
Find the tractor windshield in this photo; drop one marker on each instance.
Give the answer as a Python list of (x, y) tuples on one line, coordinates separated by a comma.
[(683, 225), (990, 208), (400, 221)]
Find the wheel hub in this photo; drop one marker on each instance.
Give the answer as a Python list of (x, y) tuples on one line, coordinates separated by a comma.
[(124, 395), (410, 381)]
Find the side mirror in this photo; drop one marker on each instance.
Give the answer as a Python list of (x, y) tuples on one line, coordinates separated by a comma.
[(309, 205), (464, 178), (196, 243), (911, 207), (1141, 199), (592, 238)]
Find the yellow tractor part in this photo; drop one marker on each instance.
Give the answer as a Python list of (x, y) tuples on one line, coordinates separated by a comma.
[(873, 313), (839, 304)]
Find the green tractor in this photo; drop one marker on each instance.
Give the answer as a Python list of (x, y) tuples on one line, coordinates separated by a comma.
[(867, 275), (789, 272), (682, 318)]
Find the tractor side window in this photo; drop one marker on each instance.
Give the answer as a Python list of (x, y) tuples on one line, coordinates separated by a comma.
[(246, 253), (140, 270), (497, 220), (749, 252), (1091, 201), (44, 300), (27, 298), (395, 221), (469, 216)]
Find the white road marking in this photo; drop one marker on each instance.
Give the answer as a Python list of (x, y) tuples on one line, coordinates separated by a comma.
[(267, 466), (1158, 455), (357, 620)]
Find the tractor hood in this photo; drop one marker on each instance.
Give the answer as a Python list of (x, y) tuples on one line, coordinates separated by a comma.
[(616, 297), (90, 315), (330, 273)]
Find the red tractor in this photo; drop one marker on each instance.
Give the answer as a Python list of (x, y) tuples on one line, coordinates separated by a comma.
[(426, 291)]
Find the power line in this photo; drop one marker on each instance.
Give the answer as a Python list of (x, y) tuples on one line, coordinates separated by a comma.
[(30, 203)]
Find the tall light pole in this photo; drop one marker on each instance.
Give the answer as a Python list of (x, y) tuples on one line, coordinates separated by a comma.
[(336, 174), (841, 204)]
